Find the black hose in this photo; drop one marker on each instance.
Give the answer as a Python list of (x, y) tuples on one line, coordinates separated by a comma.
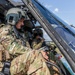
[(52, 64)]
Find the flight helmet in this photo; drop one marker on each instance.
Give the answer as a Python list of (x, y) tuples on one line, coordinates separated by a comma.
[(38, 31), (13, 15)]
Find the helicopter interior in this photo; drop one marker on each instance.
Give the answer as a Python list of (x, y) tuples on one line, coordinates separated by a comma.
[(31, 23)]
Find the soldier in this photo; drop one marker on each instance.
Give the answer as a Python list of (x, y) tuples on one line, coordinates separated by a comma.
[(17, 29), (20, 33), (39, 42), (24, 61)]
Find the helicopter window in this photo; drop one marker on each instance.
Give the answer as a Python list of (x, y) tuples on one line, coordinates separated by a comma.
[(17, 0), (64, 30), (45, 35)]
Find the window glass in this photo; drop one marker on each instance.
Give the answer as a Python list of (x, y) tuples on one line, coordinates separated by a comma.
[(17, 0), (66, 32), (45, 35)]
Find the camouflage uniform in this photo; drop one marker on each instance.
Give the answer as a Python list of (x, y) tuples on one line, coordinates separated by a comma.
[(36, 45), (22, 36), (25, 61)]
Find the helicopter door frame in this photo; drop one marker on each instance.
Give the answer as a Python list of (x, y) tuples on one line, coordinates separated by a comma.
[(64, 48)]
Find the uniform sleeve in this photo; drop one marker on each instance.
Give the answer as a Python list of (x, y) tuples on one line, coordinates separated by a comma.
[(36, 46), (17, 49), (30, 63), (13, 47)]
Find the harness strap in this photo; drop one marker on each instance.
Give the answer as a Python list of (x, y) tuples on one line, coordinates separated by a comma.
[(6, 68)]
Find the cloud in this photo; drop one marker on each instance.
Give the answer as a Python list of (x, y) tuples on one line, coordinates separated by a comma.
[(48, 6), (56, 10), (67, 22)]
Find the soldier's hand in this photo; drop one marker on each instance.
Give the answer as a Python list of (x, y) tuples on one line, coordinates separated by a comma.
[(42, 39), (44, 54)]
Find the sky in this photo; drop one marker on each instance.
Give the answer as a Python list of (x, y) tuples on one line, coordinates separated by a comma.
[(64, 9)]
